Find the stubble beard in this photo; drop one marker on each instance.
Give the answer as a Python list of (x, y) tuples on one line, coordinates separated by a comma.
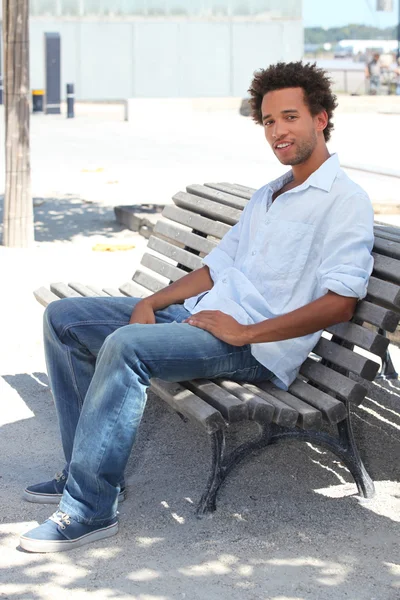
[(304, 150)]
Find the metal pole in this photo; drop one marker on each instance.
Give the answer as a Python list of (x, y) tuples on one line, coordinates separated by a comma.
[(70, 100)]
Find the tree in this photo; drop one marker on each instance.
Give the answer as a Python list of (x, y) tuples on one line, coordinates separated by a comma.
[(18, 208)]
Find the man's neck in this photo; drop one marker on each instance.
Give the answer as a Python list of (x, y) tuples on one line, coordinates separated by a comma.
[(304, 170)]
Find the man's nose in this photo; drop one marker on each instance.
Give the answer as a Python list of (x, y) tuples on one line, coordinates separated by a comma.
[(279, 129)]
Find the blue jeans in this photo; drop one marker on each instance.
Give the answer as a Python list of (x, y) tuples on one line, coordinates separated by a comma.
[(99, 369)]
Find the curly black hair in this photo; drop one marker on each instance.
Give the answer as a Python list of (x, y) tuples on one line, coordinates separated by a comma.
[(314, 81)]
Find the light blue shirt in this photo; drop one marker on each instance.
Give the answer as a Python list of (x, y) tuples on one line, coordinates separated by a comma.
[(284, 254)]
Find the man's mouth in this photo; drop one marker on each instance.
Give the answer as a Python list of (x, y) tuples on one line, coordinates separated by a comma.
[(282, 145)]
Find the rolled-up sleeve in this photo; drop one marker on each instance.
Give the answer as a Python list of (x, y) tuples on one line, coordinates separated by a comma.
[(346, 259), (223, 256)]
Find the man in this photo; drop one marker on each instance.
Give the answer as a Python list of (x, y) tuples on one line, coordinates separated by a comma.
[(373, 74), (297, 262)]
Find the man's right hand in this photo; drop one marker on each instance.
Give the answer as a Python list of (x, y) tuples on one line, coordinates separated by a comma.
[(143, 314)]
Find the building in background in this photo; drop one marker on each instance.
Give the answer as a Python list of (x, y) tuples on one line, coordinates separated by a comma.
[(117, 49)]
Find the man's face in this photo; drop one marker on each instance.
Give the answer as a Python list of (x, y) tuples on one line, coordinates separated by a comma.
[(289, 127)]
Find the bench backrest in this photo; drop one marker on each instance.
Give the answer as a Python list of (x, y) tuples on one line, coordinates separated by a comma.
[(200, 217)]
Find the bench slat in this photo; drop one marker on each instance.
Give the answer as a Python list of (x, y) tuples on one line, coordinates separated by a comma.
[(189, 405), (376, 315), (333, 381), (197, 222), (132, 289), (82, 289), (148, 281), (217, 196), (343, 357), (383, 291), (308, 416), (230, 188), (188, 259), (259, 409), (161, 267), (110, 291), (332, 410), (360, 336), (207, 208), (387, 247), (186, 238), (386, 267), (230, 407), (62, 290), (45, 296), (283, 414)]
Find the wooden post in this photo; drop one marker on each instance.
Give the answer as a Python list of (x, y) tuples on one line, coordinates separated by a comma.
[(18, 208)]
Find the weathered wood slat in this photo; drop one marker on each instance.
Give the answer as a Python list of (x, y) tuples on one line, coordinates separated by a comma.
[(333, 381), (45, 296), (82, 289), (147, 281), (183, 257), (386, 232), (186, 238), (283, 414), (96, 290), (62, 290), (130, 288), (347, 359), (387, 247), (258, 408), (383, 291), (207, 208), (197, 222), (189, 405), (217, 196), (308, 416), (386, 267), (230, 188), (376, 315), (162, 268), (360, 336), (332, 410), (110, 291), (231, 407)]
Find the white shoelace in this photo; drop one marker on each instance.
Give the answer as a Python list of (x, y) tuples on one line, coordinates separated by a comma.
[(62, 519)]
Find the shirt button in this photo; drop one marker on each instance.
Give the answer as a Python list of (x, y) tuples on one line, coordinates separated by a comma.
[(253, 253), (224, 280)]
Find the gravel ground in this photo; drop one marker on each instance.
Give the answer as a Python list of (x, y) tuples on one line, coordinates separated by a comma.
[(289, 525)]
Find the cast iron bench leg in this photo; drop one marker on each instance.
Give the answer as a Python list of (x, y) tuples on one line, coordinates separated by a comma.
[(387, 371)]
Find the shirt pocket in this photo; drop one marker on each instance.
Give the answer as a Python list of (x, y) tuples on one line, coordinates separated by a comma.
[(289, 245)]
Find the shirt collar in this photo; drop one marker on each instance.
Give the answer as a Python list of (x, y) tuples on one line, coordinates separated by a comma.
[(322, 178)]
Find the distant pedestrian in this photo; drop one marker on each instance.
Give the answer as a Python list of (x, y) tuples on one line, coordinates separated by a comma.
[(394, 73), (373, 74)]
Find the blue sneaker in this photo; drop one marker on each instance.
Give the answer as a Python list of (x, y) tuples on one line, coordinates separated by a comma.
[(50, 492), (60, 532)]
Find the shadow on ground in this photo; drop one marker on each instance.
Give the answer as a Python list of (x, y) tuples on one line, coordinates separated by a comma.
[(65, 218), (288, 524)]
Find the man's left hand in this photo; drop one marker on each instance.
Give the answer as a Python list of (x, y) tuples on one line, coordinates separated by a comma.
[(222, 326)]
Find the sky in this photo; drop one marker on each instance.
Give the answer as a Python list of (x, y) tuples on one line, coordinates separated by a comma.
[(335, 13)]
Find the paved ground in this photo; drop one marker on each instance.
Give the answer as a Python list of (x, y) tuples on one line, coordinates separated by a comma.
[(289, 525)]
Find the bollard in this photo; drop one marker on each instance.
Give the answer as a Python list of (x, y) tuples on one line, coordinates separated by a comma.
[(70, 100), (37, 100)]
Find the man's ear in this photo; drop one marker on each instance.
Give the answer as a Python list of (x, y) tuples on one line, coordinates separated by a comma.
[(321, 120)]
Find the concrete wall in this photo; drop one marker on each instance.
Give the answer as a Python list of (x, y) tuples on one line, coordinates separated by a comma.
[(114, 59)]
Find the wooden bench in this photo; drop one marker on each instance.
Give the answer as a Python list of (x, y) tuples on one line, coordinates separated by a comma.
[(317, 406)]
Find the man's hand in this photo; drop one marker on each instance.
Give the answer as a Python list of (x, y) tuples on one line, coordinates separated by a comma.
[(222, 326), (143, 314)]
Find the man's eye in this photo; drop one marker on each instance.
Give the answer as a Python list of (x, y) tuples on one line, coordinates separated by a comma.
[(268, 123), (291, 117)]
